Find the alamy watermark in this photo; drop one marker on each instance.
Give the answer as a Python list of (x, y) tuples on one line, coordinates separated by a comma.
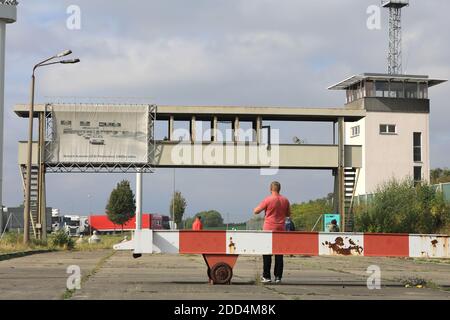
[(244, 153), (73, 21), (374, 19), (374, 280), (74, 280)]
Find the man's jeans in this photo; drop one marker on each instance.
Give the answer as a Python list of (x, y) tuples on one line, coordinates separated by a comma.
[(267, 259)]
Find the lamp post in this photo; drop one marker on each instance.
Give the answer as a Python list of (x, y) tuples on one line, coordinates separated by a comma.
[(90, 213), (26, 212)]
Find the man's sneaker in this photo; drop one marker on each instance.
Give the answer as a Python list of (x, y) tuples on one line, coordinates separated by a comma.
[(277, 280), (265, 280)]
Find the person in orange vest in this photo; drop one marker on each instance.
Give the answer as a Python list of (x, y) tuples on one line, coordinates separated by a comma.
[(197, 225)]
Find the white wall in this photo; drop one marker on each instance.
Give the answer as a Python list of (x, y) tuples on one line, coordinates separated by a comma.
[(358, 140), (388, 156)]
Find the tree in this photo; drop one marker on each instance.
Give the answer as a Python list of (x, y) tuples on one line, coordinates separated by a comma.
[(177, 207), (401, 207), (439, 175), (121, 204), (210, 219), (306, 214)]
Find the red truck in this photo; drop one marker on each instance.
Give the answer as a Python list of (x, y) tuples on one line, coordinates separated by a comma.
[(102, 224)]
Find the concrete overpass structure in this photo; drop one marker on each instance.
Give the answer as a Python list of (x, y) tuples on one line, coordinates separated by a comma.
[(342, 160)]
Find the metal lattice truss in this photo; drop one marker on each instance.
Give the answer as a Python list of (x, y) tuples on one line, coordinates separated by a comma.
[(64, 167), (395, 41), (9, 2)]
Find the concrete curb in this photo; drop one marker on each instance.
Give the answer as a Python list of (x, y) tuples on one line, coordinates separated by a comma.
[(12, 255)]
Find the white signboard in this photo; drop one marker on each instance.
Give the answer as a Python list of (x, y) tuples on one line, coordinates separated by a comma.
[(99, 134)]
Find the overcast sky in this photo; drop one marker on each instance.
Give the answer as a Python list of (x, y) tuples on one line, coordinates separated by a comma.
[(216, 52)]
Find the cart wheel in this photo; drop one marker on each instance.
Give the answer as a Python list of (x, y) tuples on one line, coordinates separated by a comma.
[(221, 273)]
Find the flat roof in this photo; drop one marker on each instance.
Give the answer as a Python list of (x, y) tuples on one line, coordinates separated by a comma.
[(229, 112), (395, 3), (345, 84)]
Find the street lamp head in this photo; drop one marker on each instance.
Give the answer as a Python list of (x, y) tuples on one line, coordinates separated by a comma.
[(71, 61), (64, 53)]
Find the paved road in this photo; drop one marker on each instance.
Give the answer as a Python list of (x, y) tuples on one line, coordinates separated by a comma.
[(119, 276)]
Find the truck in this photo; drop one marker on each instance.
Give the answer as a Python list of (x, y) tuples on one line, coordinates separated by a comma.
[(74, 225), (102, 224)]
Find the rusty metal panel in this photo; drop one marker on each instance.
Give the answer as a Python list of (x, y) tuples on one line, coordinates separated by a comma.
[(204, 241), (166, 241), (341, 244), (241, 242), (387, 245), (429, 246), (303, 243)]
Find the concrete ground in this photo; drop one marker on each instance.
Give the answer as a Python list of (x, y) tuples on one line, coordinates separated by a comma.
[(108, 275)]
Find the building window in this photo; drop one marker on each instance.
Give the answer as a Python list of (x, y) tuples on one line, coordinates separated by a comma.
[(417, 146), (356, 131), (381, 89), (411, 90), (388, 129), (423, 91), (396, 90), (417, 175)]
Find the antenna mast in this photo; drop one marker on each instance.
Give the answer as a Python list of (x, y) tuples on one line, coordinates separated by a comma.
[(395, 34)]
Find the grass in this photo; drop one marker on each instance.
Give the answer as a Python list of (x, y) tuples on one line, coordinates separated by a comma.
[(107, 242), (13, 242)]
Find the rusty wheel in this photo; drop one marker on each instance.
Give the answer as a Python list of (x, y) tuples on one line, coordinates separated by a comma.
[(221, 273)]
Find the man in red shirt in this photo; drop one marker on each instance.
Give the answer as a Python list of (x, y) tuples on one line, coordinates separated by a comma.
[(277, 209), (197, 225)]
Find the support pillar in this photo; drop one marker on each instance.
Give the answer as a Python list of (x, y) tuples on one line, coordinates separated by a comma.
[(171, 128), (8, 14), (139, 200), (41, 205), (341, 164), (257, 126), (236, 129), (192, 129), (214, 129)]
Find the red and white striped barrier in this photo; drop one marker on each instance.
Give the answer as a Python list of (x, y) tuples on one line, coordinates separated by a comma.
[(295, 243)]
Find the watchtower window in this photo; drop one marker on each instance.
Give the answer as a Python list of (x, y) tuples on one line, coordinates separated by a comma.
[(411, 90), (388, 129), (396, 90), (423, 91), (381, 89)]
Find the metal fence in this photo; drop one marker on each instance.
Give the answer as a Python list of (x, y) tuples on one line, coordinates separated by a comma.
[(441, 187), (445, 189)]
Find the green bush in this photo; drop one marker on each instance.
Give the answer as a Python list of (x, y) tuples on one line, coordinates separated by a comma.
[(401, 207), (306, 214), (61, 239)]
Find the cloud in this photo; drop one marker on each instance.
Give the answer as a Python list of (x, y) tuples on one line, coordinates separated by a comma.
[(224, 52)]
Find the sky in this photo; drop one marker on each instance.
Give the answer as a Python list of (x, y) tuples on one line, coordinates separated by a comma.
[(211, 52)]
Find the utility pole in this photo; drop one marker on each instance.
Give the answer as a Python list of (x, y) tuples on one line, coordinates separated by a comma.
[(8, 14), (27, 205), (173, 200)]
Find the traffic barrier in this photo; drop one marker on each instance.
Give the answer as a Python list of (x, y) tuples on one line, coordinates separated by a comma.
[(221, 248)]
